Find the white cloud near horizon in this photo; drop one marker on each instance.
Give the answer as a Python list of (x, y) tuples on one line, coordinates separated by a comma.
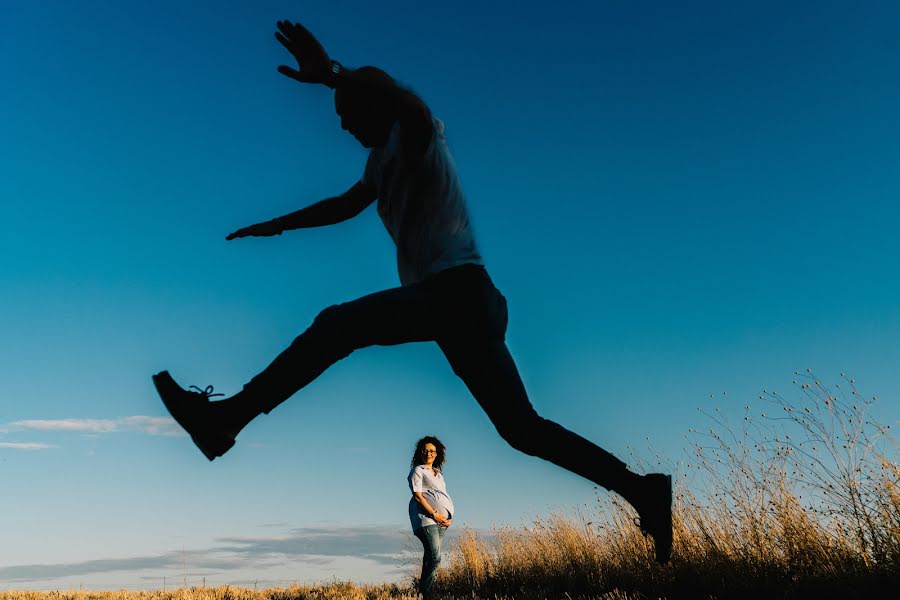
[(26, 445), (150, 425)]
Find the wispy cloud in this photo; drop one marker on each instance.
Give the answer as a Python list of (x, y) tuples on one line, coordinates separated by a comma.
[(91, 425), (309, 545), (140, 423), (152, 425), (375, 543), (26, 445), (171, 560)]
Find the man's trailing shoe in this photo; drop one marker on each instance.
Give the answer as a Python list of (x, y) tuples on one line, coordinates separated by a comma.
[(193, 411)]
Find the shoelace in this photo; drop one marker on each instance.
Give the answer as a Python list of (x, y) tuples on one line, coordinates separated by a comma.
[(207, 393)]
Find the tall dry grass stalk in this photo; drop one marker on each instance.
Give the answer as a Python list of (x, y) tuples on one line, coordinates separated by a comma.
[(800, 499)]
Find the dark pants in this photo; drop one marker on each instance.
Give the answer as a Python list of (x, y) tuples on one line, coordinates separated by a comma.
[(431, 536), (465, 314)]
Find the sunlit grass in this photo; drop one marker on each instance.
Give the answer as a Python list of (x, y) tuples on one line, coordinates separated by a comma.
[(332, 591), (801, 498)]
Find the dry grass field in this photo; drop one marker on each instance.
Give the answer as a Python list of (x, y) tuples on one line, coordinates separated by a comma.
[(800, 499), (333, 591)]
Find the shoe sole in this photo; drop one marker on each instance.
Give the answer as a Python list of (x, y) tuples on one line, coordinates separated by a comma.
[(211, 445)]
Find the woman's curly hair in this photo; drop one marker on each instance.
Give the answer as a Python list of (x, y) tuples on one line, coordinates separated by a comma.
[(419, 454)]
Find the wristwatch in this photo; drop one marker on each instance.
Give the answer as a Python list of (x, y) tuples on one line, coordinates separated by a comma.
[(336, 69)]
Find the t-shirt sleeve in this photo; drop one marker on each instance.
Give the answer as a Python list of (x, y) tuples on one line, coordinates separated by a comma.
[(437, 135), (369, 173), (415, 480)]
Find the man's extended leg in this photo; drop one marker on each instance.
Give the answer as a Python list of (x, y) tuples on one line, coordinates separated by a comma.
[(386, 318), (488, 370)]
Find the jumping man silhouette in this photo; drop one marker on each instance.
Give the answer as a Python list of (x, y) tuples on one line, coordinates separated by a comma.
[(446, 295)]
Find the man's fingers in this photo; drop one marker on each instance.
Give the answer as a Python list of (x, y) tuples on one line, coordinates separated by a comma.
[(284, 41), (286, 28), (242, 232), (291, 42), (298, 32), (299, 40), (292, 37), (291, 45)]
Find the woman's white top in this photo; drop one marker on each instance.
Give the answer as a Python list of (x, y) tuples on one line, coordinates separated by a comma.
[(434, 490)]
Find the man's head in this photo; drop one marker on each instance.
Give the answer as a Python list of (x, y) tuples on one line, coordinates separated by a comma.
[(365, 106)]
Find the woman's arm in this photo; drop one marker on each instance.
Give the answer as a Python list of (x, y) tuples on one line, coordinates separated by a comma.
[(439, 518)]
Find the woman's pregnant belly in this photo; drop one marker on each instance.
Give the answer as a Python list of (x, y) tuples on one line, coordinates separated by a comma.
[(440, 502)]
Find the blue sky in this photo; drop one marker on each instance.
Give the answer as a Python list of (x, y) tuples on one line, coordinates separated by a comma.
[(679, 200)]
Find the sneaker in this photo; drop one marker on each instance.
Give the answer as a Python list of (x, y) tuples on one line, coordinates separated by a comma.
[(193, 411), (655, 511)]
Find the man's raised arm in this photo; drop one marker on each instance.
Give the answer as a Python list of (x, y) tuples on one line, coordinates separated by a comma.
[(316, 66), (325, 212)]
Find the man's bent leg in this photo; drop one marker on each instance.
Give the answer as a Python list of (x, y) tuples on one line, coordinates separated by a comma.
[(389, 317)]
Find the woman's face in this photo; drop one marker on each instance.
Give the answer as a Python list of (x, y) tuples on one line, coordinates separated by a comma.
[(429, 453)]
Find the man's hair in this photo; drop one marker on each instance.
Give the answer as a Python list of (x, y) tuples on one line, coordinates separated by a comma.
[(365, 86), (368, 76), (419, 453)]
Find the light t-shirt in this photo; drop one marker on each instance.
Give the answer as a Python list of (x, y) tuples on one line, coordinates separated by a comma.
[(434, 490), (423, 209)]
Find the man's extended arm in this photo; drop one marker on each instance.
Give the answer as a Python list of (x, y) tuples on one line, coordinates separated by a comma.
[(325, 212)]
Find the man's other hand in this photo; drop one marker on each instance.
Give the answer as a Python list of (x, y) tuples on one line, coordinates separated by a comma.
[(260, 230)]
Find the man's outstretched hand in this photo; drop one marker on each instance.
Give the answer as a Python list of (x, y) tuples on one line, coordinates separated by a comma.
[(260, 230), (312, 60)]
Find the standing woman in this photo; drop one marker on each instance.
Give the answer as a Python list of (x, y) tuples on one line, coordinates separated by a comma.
[(430, 508)]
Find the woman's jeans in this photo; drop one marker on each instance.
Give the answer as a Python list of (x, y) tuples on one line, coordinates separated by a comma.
[(462, 311), (431, 536)]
